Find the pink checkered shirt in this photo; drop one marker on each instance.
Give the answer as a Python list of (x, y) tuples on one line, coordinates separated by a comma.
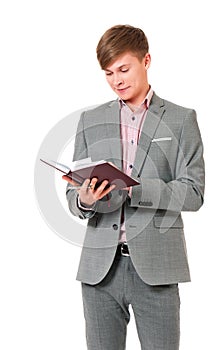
[(131, 126)]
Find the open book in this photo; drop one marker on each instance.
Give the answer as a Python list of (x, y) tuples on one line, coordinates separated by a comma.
[(102, 170)]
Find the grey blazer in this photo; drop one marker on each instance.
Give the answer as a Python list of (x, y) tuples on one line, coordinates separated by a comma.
[(170, 168)]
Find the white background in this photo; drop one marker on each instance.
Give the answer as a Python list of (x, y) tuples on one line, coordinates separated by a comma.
[(48, 70)]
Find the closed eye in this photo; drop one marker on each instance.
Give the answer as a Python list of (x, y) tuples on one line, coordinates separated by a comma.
[(122, 70)]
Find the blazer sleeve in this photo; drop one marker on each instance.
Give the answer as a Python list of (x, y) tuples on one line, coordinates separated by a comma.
[(186, 191), (108, 204), (80, 152)]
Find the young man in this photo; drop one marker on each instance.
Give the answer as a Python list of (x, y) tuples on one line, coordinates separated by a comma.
[(134, 251)]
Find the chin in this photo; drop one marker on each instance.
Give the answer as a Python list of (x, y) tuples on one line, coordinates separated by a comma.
[(125, 97), (128, 99)]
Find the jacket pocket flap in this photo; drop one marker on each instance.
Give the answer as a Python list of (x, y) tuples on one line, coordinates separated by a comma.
[(168, 221)]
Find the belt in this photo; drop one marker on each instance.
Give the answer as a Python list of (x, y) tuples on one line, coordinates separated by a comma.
[(123, 249)]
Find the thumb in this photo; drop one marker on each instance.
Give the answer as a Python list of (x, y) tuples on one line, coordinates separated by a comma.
[(70, 181)]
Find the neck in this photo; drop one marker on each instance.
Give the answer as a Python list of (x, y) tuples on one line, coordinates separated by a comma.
[(131, 106), (134, 106)]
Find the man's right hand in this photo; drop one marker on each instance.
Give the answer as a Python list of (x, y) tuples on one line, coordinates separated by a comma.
[(88, 195)]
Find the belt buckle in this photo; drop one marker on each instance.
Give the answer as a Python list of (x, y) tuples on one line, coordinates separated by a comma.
[(122, 250)]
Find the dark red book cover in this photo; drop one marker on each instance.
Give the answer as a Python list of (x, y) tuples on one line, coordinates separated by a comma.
[(102, 171)]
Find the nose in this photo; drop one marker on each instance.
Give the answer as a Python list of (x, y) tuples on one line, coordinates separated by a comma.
[(117, 80)]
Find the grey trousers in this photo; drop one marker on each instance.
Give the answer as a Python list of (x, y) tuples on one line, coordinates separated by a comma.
[(106, 310)]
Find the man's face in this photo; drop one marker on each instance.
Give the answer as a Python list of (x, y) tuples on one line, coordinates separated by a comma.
[(127, 76)]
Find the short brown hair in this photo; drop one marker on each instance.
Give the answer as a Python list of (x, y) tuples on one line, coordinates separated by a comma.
[(118, 40)]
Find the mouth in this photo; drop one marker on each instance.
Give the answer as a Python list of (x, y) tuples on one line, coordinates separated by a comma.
[(121, 91)]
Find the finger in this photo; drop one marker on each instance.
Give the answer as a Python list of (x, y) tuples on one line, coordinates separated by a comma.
[(101, 188), (108, 190), (105, 192), (85, 185), (93, 182)]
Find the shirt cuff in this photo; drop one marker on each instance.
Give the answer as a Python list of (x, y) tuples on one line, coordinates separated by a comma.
[(81, 206)]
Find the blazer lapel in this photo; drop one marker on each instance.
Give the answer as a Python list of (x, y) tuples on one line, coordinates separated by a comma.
[(113, 134), (151, 123)]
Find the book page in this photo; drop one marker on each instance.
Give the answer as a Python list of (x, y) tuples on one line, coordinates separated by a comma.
[(84, 163)]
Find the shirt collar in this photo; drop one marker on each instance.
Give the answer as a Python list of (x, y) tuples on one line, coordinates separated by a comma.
[(146, 101)]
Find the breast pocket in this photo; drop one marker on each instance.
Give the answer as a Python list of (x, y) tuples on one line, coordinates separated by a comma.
[(161, 148), (162, 157)]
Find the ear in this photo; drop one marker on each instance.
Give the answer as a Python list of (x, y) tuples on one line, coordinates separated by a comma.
[(147, 60)]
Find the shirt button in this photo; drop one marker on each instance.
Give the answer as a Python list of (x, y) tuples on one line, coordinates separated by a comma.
[(132, 142), (115, 227), (133, 118), (130, 166)]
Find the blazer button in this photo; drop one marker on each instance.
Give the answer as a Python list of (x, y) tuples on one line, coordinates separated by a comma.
[(115, 227)]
